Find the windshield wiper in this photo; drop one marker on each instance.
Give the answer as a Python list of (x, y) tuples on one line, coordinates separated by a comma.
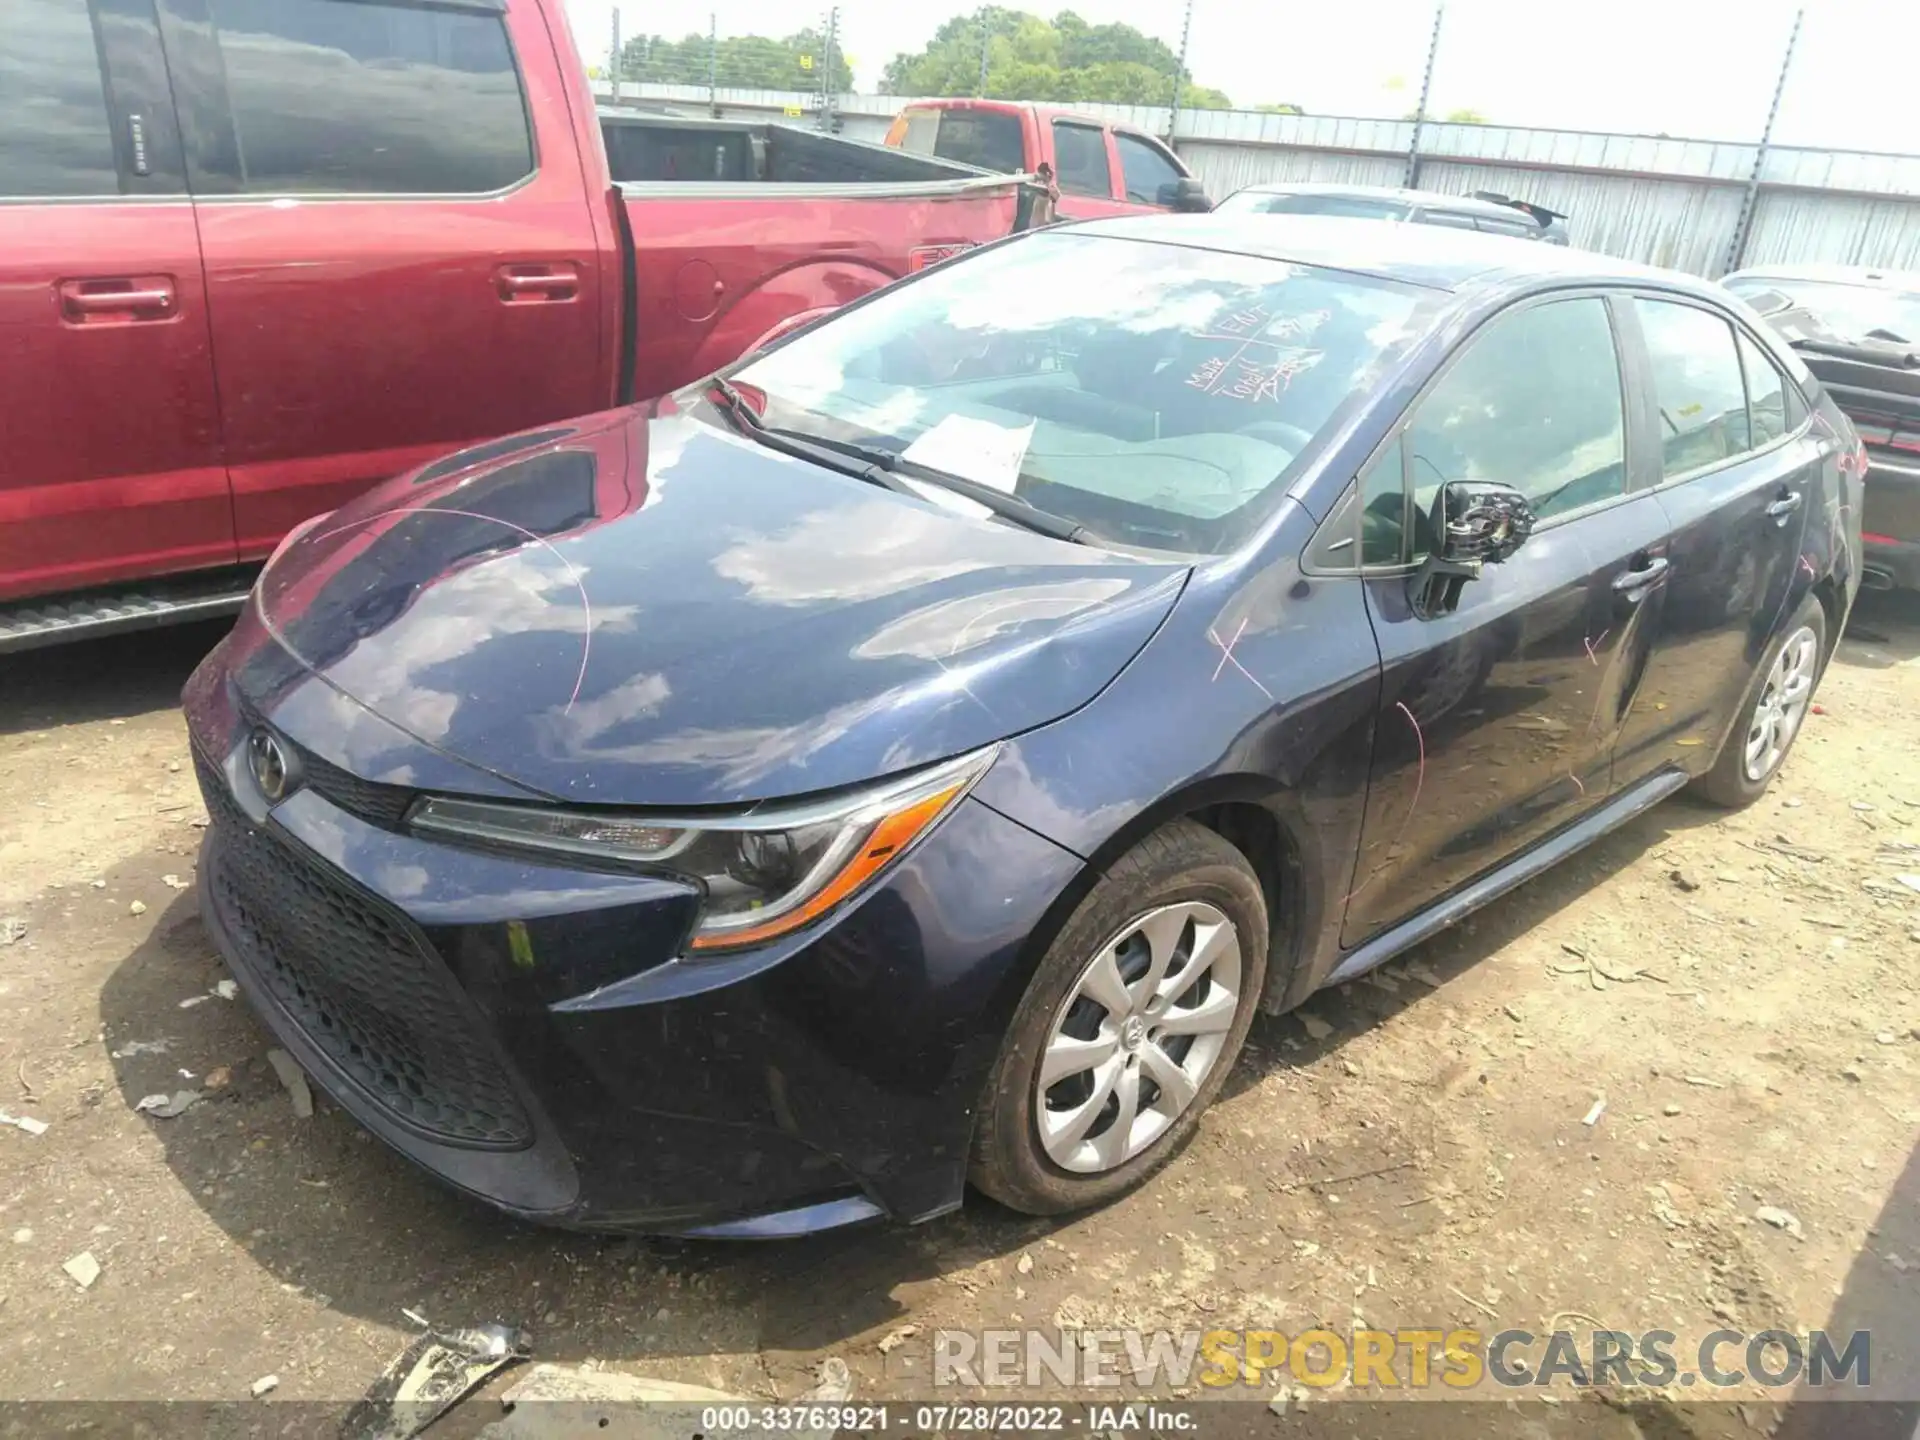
[(879, 466), (833, 454)]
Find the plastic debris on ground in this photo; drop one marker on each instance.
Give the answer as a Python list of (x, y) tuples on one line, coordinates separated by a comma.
[(165, 1107), (295, 1079), (83, 1269), (428, 1378), (24, 1122)]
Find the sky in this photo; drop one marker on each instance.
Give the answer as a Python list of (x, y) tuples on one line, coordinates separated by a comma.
[(1694, 68)]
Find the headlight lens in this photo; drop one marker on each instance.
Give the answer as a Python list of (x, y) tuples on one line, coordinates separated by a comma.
[(766, 872)]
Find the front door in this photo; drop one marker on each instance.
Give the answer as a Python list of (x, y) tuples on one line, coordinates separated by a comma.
[(1084, 171), (1497, 721), (109, 430), (394, 268), (1739, 466)]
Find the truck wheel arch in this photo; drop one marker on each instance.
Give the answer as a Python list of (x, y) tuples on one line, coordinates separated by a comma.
[(783, 302)]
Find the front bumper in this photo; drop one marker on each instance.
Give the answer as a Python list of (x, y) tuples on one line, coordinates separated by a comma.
[(524, 1032)]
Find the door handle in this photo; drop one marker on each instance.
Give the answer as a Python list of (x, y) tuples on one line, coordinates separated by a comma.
[(1780, 509), (120, 300), (525, 283), (1632, 584)]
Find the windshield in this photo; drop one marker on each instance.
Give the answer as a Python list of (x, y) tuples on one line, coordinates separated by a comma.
[(1353, 207), (1155, 394), (1851, 312)]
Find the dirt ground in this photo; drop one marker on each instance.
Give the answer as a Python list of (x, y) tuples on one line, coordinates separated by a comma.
[(1740, 990)]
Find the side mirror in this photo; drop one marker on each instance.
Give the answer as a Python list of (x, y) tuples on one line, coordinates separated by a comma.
[(1186, 195), (1474, 524)]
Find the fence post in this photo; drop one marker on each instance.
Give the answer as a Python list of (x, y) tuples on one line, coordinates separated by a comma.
[(1426, 88), (986, 39), (614, 65), (713, 62), (1743, 230), (1179, 76)]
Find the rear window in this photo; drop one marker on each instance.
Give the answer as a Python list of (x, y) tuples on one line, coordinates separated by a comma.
[(1850, 312), (985, 139), (337, 96), (1358, 207), (1159, 395)]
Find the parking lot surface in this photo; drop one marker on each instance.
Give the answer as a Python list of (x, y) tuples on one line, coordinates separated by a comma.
[(1414, 1150)]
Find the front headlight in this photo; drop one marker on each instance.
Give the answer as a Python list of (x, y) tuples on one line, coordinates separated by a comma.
[(766, 871)]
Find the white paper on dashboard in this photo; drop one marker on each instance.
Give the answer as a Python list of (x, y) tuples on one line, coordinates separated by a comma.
[(977, 450)]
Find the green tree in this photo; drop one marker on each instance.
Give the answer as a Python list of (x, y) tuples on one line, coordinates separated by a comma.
[(1059, 61), (751, 62)]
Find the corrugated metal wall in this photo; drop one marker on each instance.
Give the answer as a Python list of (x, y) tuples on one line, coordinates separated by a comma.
[(1643, 197)]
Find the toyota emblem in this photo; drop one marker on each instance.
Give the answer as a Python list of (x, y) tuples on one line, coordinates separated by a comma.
[(272, 771)]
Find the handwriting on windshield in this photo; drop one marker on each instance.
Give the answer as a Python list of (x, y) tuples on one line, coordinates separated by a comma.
[(1261, 363)]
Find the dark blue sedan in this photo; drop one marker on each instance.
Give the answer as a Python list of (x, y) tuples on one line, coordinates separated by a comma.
[(910, 758)]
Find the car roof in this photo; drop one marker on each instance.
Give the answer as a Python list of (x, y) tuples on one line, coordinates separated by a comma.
[(1426, 255), (1428, 199), (1870, 275)]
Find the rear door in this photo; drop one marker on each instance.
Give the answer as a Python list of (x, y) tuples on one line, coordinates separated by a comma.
[(109, 432), (1739, 470), (1497, 721), (396, 263), (1084, 168)]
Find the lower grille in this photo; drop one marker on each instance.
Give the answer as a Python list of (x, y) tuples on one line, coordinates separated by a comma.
[(361, 982)]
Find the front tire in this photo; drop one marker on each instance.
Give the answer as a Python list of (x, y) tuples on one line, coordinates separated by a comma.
[(1776, 706), (1128, 1028)]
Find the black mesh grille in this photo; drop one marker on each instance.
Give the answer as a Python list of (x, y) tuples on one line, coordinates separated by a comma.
[(383, 805), (360, 981)]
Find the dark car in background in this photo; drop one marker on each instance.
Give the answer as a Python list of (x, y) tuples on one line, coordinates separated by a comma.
[(1858, 330), (913, 755), (1485, 211)]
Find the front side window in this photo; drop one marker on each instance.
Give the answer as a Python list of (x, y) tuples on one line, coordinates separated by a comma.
[(1700, 395), (1157, 394), (1534, 403), (55, 138), (1145, 167), (1082, 153), (340, 97)]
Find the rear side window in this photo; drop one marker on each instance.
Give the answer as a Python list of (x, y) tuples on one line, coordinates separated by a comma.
[(985, 139), (1355, 207), (1768, 417), (55, 138), (1534, 403), (339, 97), (1145, 168), (1697, 385), (1082, 153), (1499, 225), (1448, 219)]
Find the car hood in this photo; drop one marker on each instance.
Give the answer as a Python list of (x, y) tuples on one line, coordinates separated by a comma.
[(647, 609)]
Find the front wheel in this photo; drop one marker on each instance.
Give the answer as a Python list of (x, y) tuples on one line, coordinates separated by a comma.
[(1776, 705), (1128, 1028)]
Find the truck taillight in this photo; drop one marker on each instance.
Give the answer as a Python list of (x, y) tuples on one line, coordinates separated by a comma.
[(924, 257)]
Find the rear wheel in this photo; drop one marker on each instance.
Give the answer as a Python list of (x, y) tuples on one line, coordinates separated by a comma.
[(1776, 706), (1128, 1028)]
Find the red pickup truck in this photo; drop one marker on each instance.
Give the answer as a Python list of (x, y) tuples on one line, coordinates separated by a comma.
[(1101, 169), (254, 262)]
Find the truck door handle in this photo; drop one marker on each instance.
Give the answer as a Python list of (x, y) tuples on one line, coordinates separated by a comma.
[(120, 300), (1632, 584), (1780, 509), (525, 283)]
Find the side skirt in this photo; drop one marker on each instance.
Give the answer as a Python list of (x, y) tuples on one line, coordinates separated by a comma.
[(1610, 816)]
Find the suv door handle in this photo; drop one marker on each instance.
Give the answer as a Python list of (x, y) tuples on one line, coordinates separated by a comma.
[(120, 300), (1780, 509), (1632, 584), (525, 282)]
